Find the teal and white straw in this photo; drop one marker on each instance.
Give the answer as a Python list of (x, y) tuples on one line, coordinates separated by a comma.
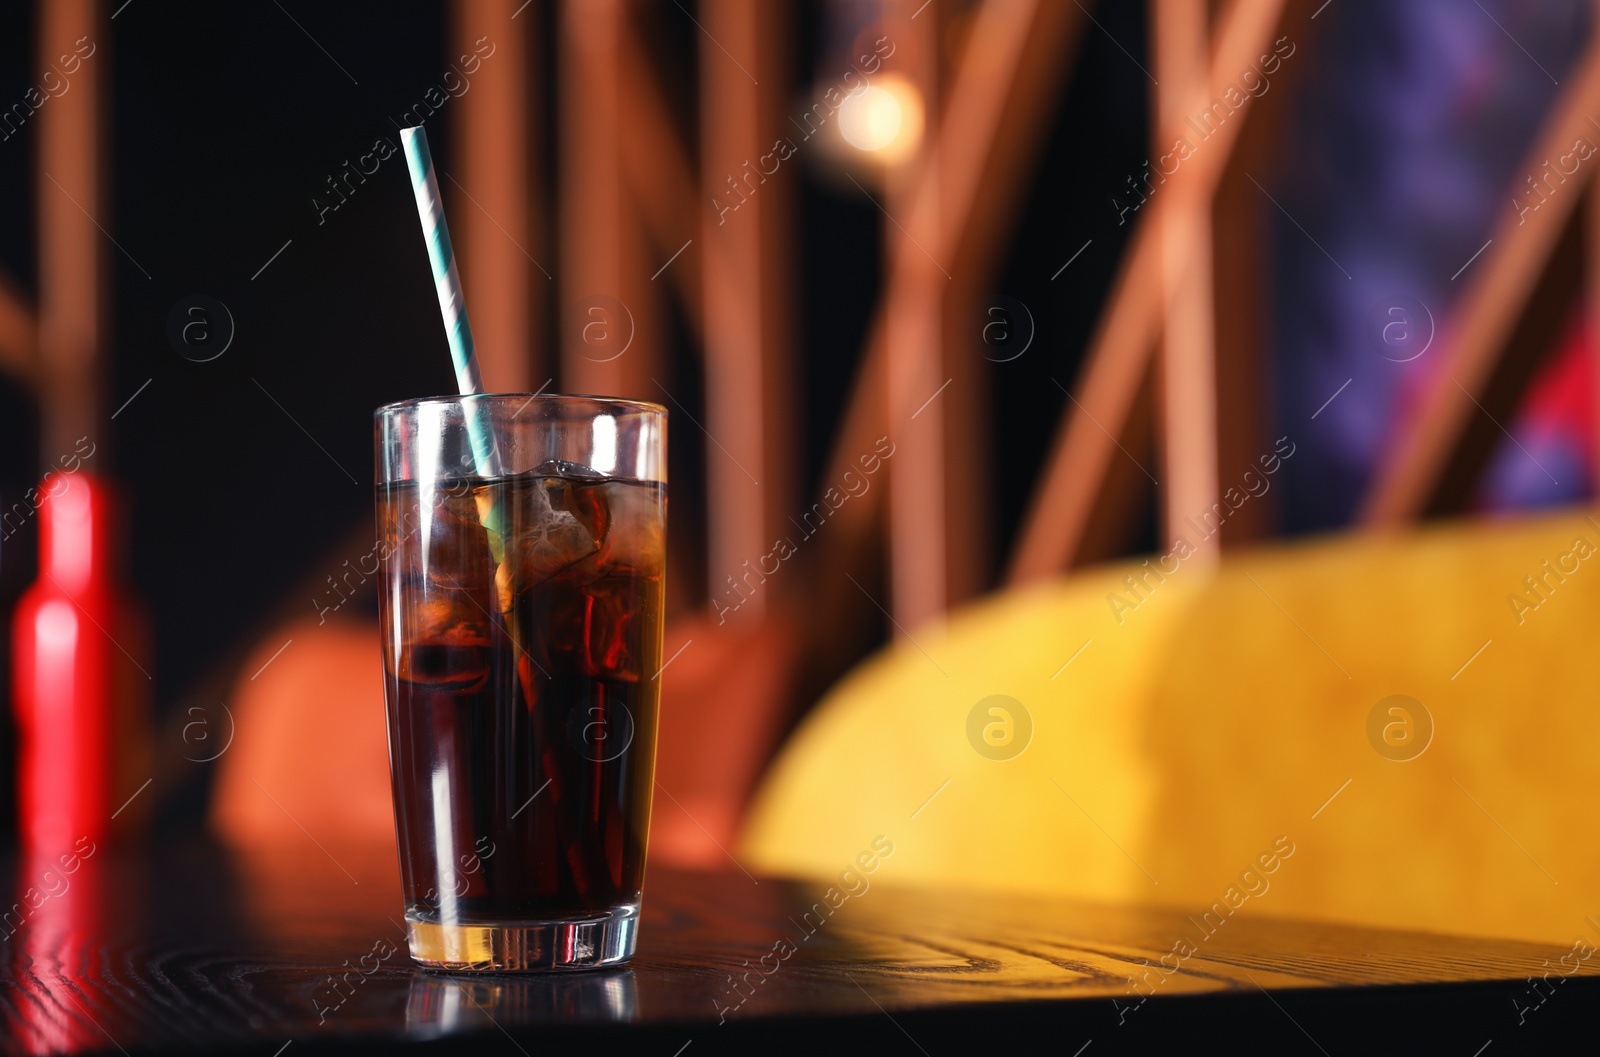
[(448, 286)]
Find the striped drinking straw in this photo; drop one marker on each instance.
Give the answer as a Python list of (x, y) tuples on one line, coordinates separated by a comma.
[(448, 286)]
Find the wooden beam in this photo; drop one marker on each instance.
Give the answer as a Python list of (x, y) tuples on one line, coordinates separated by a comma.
[(1241, 263), (609, 311), (591, 193), (488, 190), (72, 249), (1001, 95), (914, 347), (991, 196), (1119, 354), (18, 334), (1188, 371), (748, 359), (1496, 287), (660, 177)]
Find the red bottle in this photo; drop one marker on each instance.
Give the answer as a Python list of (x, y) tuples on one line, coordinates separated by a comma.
[(75, 683)]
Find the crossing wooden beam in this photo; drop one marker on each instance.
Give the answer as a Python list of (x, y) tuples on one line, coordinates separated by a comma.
[(660, 177), (489, 195), (917, 355), (1119, 354), (1497, 286), (743, 256), (998, 102), (1187, 378), (609, 323)]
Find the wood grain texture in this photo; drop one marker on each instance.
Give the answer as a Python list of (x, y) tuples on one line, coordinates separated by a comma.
[(194, 950)]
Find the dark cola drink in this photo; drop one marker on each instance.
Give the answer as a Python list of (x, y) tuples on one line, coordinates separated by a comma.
[(521, 619)]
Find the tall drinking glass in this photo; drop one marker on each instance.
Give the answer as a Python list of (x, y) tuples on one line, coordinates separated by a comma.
[(521, 594)]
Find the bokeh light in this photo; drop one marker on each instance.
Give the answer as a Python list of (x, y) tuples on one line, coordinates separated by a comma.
[(884, 119)]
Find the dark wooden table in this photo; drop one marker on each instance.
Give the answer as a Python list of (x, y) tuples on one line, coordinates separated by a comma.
[(192, 949)]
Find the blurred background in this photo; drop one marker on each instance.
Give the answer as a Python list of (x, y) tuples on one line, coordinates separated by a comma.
[(981, 306)]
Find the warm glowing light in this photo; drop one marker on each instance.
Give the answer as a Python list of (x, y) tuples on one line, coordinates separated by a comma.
[(871, 119), (884, 118)]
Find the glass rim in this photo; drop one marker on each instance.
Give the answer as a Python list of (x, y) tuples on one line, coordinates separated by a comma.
[(636, 406)]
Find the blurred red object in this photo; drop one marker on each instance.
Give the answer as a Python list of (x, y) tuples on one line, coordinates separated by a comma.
[(71, 685)]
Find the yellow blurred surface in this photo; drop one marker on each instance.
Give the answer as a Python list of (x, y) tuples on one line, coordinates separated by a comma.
[(1228, 710)]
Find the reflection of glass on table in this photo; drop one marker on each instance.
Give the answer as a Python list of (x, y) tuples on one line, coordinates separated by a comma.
[(441, 1005)]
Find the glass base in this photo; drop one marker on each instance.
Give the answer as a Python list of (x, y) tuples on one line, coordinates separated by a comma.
[(526, 946)]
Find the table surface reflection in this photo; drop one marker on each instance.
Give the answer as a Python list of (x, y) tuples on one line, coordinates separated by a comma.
[(191, 948)]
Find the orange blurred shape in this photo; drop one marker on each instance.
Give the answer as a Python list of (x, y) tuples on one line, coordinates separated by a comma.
[(309, 759), (722, 700)]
